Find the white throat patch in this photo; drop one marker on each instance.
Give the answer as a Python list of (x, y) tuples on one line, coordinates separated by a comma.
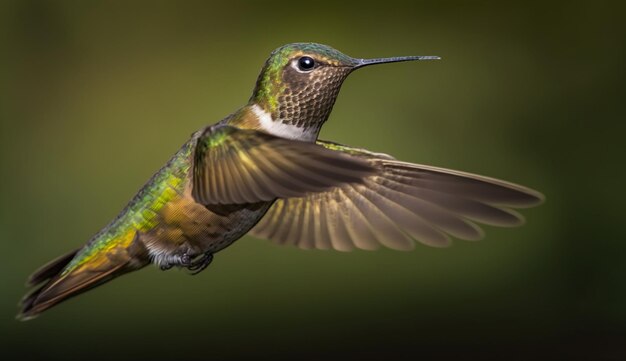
[(267, 124)]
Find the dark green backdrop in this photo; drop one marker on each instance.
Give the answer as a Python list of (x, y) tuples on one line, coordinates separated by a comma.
[(95, 96)]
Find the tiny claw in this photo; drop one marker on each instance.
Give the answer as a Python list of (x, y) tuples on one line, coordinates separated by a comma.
[(201, 264)]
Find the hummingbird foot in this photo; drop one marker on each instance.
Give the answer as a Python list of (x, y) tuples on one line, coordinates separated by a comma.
[(200, 264), (185, 260)]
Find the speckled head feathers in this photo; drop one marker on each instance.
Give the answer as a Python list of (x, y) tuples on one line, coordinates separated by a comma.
[(301, 96), (299, 82)]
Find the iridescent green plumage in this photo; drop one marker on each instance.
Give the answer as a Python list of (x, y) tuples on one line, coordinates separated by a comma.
[(142, 213)]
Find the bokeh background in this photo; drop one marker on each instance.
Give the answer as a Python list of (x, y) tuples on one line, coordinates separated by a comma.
[(96, 95)]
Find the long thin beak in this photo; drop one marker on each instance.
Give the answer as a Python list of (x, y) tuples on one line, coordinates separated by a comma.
[(365, 62)]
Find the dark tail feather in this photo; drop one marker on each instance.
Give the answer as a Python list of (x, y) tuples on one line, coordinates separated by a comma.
[(58, 287), (44, 273), (62, 287), (50, 269)]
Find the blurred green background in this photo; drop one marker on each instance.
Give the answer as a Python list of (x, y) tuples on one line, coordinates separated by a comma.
[(95, 96)]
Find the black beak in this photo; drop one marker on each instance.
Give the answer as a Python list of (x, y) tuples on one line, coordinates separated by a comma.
[(359, 63)]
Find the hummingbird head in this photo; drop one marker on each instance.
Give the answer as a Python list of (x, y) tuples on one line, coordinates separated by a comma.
[(299, 83)]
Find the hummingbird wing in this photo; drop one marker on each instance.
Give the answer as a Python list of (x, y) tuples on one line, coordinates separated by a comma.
[(234, 166), (399, 204)]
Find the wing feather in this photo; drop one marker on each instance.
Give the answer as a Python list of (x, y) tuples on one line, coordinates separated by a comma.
[(396, 205), (236, 166)]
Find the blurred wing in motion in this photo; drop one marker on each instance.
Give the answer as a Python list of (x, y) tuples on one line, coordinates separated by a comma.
[(399, 204)]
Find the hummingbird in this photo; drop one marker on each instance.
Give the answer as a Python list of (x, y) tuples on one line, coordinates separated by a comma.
[(263, 171)]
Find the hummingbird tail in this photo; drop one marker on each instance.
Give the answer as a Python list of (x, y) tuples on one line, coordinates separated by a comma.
[(44, 273), (50, 269), (58, 286)]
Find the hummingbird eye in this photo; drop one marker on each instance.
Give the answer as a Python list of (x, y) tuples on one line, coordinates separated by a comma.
[(306, 63)]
